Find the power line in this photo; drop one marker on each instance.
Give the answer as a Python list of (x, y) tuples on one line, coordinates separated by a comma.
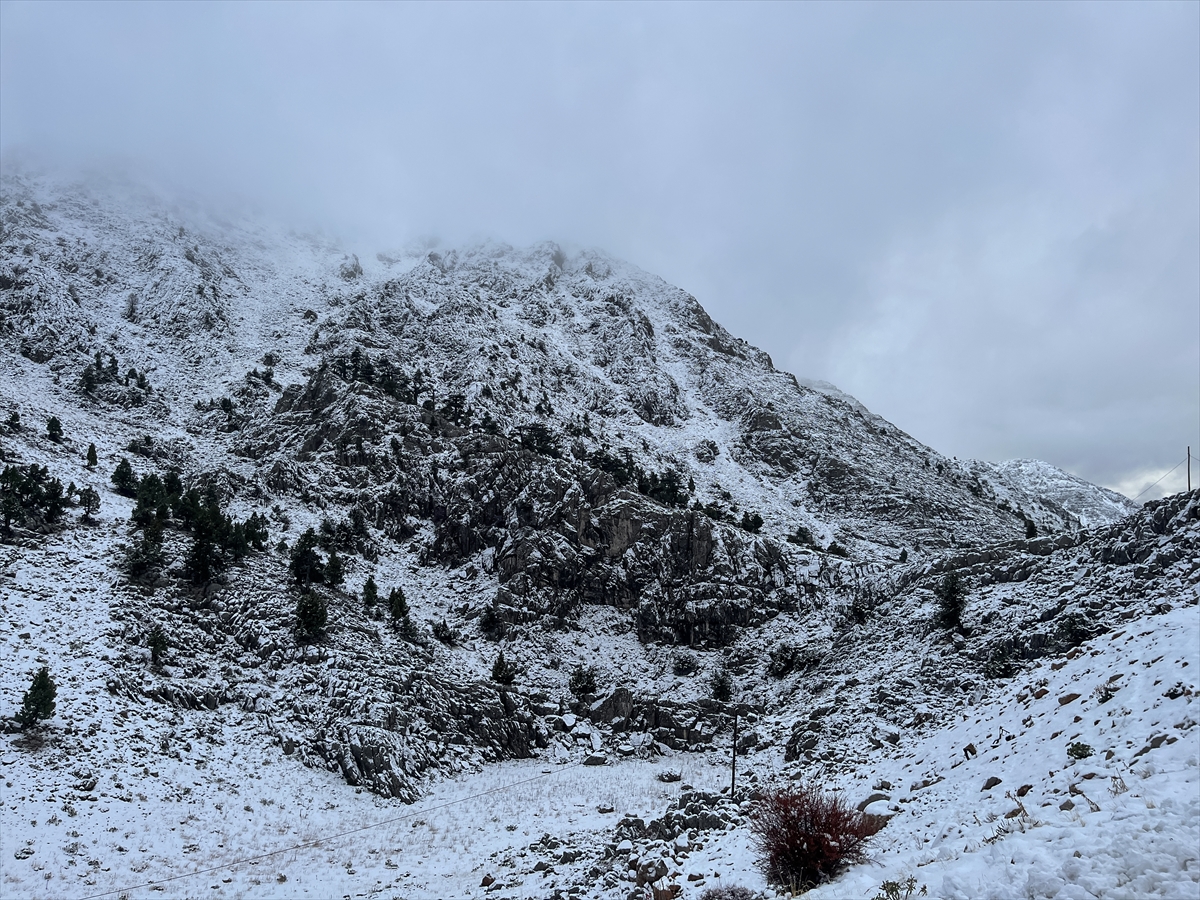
[(1176, 466), (333, 837)]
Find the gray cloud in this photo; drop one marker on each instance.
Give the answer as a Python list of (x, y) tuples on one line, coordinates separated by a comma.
[(980, 219)]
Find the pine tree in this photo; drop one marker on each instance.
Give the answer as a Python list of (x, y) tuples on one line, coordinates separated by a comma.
[(1030, 529), (54, 429), (370, 593), (156, 640), (92, 461), (952, 596), (397, 605), (502, 671), (306, 564), (14, 420), (335, 572), (312, 613), (124, 479), (38, 701), (722, 685), (90, 501)]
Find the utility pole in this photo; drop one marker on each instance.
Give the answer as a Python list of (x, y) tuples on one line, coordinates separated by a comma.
[(733, 759)]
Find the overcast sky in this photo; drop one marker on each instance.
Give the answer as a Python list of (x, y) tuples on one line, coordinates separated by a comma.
[(981, 220)]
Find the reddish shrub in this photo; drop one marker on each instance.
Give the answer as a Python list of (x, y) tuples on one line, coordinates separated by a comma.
[(804, 835)]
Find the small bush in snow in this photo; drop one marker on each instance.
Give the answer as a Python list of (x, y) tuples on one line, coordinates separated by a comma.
[(684, 663), (1072, 628), (490, 624), (805, 835), (722, 685), (730, 893), (1079, 750), (752, 522), (786, 659), (38, 701), (444, 633), (503, 672), (900, 890), (999, 663), (1104, 693), (669, 776), (582, 680), (801, 536)]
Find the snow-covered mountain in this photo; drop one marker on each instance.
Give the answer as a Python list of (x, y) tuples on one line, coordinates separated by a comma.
[(553, 456)]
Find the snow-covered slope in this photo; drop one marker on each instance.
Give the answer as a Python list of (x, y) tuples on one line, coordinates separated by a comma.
[(1031, 481), (555, 456)]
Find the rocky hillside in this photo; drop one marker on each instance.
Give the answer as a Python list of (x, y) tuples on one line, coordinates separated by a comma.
[(552, 455)]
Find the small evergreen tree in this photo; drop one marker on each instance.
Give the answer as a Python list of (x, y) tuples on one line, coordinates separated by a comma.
[(146, 556), (124, 479), (14, 420), (397, 605), (1030, 529), (312, 613), (335, 572), (156, 640), (90, 501), (722, 685), (903, 554), (38, 701), (951, 594), (54, 429), (92, 461), (306, 564), (502, 671)]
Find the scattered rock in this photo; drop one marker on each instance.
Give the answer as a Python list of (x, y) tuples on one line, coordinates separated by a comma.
[(991, 783), (872, 799), (651, 870)]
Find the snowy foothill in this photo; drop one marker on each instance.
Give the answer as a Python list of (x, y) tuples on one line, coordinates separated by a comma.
[(121, 795)]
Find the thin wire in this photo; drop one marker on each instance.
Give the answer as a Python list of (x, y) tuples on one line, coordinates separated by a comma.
[(332, 837), (1177, 465)]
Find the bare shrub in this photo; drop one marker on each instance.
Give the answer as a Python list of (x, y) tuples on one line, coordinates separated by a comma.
[(804, 835), (732, 892)]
